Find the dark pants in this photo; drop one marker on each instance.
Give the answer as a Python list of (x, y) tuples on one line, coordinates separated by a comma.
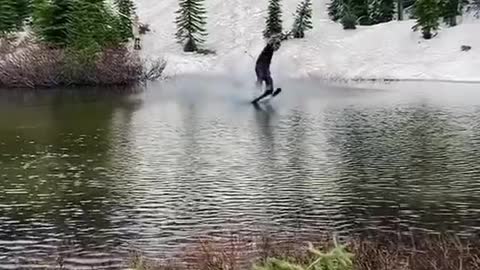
[(263, 75)]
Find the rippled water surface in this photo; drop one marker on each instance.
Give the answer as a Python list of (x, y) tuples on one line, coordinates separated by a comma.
[(93, 175)]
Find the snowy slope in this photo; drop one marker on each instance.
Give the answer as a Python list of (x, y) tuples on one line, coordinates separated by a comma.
[(389, 50)]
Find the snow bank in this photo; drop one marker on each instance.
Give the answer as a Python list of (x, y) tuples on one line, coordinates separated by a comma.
[(390, 50)]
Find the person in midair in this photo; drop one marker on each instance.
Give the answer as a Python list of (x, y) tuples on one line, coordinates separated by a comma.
[(262, 68)]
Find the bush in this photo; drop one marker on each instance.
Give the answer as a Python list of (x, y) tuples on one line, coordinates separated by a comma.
[(373, 250), (39, 66), (336, 259), (31, 67)]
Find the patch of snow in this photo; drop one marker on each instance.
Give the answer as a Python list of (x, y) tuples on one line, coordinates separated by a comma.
[(389, 50)]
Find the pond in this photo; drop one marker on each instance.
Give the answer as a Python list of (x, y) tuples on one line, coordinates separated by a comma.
[(92, 175)]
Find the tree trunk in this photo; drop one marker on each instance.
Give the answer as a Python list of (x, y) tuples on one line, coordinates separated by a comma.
[(400, 10), (453, 21), (427, 34), (190, 46)]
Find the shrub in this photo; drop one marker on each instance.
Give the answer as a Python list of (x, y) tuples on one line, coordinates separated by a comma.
[(336, 259), (31, 67), (40, 66)]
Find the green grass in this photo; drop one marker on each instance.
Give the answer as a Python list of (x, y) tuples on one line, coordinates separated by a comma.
[(377, 252)]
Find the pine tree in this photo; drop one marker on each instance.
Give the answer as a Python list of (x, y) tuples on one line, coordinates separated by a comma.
[(8, 17), (93, 26), (360, 9), (475, 7), (23, 9), (348, 19), (303, 19), (357, 9), (427, 13), (451, 9), (50, 19), (399, 10), (340, 10), (381, 11), (335, 10), (274, 19), (191, 24), (126, 9), (367, 12)]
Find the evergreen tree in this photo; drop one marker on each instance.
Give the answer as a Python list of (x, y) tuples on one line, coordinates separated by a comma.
[(360, 10), (8, 17), (23, 10), (399, 10), (303, 19), (381, 10), (474, 7), (190, 24), (427, 13), (451, 9), (335, 10), (339, 10), (357, 9), (50, 19), (93, 26), (126, 9), (348, 20), (274, 19)]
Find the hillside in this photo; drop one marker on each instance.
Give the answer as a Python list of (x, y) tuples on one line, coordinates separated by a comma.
[(389, 50)]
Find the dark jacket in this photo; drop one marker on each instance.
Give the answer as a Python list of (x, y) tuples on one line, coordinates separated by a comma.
[(265, 58)]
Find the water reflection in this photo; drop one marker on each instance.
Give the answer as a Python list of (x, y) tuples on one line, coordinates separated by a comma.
[(92, 176), (405, 164), (56, 194)]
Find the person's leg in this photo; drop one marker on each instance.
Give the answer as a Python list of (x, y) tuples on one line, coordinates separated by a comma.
[(259, 81), (269, 83), (263, 75), (266, 93)]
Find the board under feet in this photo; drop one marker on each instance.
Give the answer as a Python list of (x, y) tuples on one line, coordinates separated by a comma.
[(264, 95)]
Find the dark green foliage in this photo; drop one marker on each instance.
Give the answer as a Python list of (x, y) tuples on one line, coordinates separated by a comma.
[(349, 21), (126, 9), (335, 9), (341, 10), (50, 20), (360, 9), (381, 11), (427, 13), (451, 9), (303, 19), (92, 26), (191, 22), (273, 23), (12, 15), (367, 12), (400, 6), (23, 9), (85, 25), (8, 17)]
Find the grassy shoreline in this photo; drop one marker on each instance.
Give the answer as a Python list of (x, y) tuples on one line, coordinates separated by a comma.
[(374, 252)]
